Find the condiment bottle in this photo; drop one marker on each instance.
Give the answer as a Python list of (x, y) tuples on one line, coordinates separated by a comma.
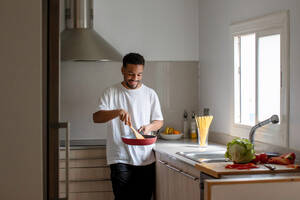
[(185, 125), (193, 133)]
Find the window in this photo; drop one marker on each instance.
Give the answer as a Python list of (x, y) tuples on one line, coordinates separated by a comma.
[(261, 76)]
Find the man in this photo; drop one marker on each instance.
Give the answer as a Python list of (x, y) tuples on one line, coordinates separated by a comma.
[(130, 103)]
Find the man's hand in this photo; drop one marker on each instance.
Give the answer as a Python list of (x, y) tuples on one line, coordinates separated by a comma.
[(154, 126), (146, 129), (125, 117)]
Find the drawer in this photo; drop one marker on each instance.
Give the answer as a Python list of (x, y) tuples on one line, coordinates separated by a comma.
[(86, 186), (84, 163), (87, 173), (89, 196)]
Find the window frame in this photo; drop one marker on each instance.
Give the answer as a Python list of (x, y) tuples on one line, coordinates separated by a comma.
[(274, 23)]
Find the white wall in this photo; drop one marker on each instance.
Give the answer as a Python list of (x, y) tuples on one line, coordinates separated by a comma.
[(216, 57), (162, 30), (21, 100), (176, 84)]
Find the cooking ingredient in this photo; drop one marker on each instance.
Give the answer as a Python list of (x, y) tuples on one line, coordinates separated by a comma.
[(241, 166), (260, 158), (185, 125), (256, 159), (193, 133), (285, 159), (279, 160), (203, 124), (170, 130), (290, 156), (240, 150), (264, 158)]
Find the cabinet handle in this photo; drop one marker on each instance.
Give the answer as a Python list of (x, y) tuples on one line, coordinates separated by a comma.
[(173, 168), (190, 176), (180, 171), (162, 162), (169, 166)]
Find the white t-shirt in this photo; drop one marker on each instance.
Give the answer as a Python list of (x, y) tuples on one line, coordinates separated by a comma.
[(143, 106)]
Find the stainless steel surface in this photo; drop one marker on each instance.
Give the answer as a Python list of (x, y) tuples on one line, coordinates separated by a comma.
[(66, 125), (79, 41), (274, 120), (270, 167), (79, 14), (208, 157)]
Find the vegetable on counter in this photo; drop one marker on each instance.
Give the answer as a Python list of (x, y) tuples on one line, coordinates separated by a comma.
[(240, 150), (260, 158), (285, 159), (241, 166)]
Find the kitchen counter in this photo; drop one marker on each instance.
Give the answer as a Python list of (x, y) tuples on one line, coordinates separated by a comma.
[(171, 147), (178, 178)]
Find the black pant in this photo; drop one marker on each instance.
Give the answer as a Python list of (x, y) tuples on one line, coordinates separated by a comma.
[(133, 182)]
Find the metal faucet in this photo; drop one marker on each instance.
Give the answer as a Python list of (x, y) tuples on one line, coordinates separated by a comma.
[(274, 120)]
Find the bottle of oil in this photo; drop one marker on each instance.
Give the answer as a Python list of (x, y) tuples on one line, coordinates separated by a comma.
[(193, 133), (185, 125)]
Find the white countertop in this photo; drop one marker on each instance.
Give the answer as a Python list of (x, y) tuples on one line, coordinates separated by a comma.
[(171, 147)]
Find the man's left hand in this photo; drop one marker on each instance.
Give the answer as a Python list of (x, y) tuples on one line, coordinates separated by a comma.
[(145, 129)]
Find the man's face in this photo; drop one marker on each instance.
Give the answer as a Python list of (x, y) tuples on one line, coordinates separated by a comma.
[(133, 75)]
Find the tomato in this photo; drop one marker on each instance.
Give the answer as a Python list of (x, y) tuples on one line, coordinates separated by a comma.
[(260, 158), (285, 159), (256, 159), (263, 158)]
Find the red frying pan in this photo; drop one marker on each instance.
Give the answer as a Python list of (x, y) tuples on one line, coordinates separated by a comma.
[(131, 140)]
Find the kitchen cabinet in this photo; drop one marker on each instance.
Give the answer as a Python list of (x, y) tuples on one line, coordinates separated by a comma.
[(248, 189), (175, 180), (178, 178)]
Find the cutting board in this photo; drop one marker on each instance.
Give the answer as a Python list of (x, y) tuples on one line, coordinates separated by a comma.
[(218, 169)]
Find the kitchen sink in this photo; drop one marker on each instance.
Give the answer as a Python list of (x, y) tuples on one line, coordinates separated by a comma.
[(205, 157)]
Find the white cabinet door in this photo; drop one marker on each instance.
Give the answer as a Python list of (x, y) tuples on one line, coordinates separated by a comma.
[(174, 184), (162, 182)]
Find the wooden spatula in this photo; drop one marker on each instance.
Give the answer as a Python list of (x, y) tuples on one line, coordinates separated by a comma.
[(137, 134)]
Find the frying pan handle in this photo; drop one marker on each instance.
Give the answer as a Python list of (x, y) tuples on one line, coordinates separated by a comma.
[(157, 132)]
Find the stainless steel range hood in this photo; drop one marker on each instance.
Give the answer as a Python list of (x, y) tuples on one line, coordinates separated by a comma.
[(79, 41)]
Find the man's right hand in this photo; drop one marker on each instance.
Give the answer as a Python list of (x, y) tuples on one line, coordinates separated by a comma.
[(125, 117)]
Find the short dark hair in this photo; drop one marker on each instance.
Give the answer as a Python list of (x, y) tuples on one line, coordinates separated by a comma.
[(133, 58)]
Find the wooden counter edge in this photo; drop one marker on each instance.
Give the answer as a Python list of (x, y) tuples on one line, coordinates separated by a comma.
[(207, 170)]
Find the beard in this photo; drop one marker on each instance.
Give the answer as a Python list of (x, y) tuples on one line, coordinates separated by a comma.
[(132, 86)]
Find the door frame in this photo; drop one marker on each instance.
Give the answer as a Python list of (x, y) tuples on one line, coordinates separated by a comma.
[(50, 63)]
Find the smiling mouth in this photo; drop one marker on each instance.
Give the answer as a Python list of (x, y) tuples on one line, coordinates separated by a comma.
[(132, 84), (133, 81)]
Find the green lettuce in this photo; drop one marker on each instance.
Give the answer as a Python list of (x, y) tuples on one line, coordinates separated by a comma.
[(240, 150)]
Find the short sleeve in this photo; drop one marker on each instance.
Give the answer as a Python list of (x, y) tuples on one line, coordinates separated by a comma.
[(156, 113), (103, 103)]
